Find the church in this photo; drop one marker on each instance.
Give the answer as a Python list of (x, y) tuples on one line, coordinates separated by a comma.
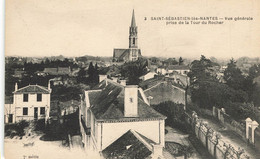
[(132, 53)]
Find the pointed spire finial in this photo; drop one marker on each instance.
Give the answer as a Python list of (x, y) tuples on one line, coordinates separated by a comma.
[(133, 19)]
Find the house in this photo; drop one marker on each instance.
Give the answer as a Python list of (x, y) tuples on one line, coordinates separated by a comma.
[(19, 72), (181, 69), (181, 79), (161, 70), (69, 107), (31, 102), (8, 110), (132, 53), (115, 114), (147, 76), (57, 71), (162, 89)]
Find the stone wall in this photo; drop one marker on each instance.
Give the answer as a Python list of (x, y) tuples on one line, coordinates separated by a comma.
[(238, 128), (212, 141)]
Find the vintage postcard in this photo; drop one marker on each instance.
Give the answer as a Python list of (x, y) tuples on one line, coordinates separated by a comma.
[(132, 79)]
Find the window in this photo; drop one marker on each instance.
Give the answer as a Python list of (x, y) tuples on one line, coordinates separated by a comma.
[(39, 97), (131, 100), (42, 110), (25, 97), (134, 41), (134, 53), (25, 111)]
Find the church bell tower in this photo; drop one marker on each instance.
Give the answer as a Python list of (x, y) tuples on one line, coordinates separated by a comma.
[(133, 33)]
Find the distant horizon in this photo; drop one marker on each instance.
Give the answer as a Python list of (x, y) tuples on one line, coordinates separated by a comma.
[(176, 57)]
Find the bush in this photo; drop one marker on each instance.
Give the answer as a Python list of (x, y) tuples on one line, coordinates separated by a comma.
[(174, 113), (16, 129)]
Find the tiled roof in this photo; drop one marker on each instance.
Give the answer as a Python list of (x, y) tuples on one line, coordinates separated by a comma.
[(129, 145), (178, 67), (57, 70), (50, 70), (151, 82), (108, 104), (121, 53), (33, 89), (162, 90)]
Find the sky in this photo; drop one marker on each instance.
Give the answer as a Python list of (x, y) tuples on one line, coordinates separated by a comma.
[(96, 27)]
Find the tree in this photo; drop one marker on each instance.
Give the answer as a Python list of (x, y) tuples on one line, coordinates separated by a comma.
[(233, 76), (133, 70), (253, 84), (92, 74), (81, 77), (254, 71), (96, 74), (180, 61)]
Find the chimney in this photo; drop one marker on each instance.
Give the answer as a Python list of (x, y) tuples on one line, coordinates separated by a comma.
[(16, 87), (157, 151), (123, 82), (114, 79), (102, 77), (131, 101), (49, 85)]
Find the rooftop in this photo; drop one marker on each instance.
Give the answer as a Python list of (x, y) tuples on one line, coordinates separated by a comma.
[(33, 89), (129, 145), (107, 104), (178, 67)]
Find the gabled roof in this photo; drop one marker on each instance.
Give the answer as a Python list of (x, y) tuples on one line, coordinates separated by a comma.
[(129, 145), (178, 67), (121, 53), (33, 89), (108, 104), (163, 90), (57, 70)]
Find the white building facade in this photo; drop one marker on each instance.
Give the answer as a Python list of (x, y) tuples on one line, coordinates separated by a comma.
[(29, 103), (111, 110)]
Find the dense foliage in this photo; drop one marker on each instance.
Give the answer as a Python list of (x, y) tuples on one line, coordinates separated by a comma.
[(174, 113), (236, 94), (133, 70)]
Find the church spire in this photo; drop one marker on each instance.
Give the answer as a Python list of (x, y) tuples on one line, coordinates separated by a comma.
[(133, 33), (133, 19)]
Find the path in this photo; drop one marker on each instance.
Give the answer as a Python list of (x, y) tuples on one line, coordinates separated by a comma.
[(31, 146), (231, 137)]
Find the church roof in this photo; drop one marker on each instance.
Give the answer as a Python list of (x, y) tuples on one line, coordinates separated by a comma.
[(129, 145), (121, 53), (133, 24), (118, 53), (108, 104)]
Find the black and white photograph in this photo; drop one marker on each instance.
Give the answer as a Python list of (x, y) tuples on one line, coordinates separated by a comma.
[(113, 79)]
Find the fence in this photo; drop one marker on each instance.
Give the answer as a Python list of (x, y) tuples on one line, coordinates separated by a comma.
[(238, 128), (218, 148)]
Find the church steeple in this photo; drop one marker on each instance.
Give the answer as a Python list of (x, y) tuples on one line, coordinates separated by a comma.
[(133, 19), (133, 33)]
